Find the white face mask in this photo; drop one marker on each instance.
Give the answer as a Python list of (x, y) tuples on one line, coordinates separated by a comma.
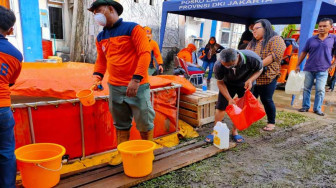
[(100, 18)]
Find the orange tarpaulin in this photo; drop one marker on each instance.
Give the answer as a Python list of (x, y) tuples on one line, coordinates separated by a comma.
[(61, 124), (64, 80)]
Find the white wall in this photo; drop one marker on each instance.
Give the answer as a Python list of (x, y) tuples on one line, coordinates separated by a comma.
[(16, 38), (45, 30), (192, 27), (207, 30), (219, 32)]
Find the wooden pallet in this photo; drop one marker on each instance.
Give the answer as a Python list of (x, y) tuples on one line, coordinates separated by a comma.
[(166, 160), (199, 108)]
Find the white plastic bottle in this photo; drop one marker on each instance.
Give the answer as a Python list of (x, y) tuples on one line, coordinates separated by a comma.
[(221, 135)]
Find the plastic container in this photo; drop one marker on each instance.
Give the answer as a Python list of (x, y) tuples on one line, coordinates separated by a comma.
[(204, 86), (221, 135), (137, 156), (40, 164), (86, 97), (47, 48), (295, 83), (58, 59)]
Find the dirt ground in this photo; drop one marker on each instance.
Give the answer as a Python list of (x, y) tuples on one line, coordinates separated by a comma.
[(298, 156), (300, 153)]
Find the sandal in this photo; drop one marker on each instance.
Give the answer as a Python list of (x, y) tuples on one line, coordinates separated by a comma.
[(238, 137), (269, 128), (209, 138)]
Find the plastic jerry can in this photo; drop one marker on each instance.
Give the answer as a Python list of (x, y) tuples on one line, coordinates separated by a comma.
[(221, 135), (295, 83)]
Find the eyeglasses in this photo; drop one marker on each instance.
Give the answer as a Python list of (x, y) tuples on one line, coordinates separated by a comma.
[(255, 29)]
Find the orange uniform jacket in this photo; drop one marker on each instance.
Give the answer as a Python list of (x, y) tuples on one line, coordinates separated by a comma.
[(156, 53), (185, 54), (10, 68), (125, 52)]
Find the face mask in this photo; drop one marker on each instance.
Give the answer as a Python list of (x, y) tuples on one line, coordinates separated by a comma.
[(100, 18), (229, 67), (212, 42)]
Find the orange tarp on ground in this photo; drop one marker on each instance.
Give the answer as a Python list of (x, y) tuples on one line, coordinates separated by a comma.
[(64, 80)]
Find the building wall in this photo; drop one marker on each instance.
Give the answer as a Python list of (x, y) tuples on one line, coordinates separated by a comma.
[(16, 38), (142, 13)]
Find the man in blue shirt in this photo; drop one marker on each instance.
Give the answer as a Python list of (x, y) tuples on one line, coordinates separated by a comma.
[(320, 49), (10, 68)]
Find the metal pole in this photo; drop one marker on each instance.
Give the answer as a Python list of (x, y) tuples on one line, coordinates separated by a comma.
[(31, 125), (82, 129), (178, 108)]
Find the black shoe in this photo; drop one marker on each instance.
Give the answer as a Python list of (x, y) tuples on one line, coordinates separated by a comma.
[(303, 110), (319, 113)]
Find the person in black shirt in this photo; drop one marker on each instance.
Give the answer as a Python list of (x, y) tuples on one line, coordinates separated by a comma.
[(235, 73), (247, 36)]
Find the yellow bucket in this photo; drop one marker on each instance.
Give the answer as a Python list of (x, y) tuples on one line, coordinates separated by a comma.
[(40, 164), (137, 156), (86, 97)]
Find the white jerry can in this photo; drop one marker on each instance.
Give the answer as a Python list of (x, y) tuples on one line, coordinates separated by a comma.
[(221, 135), (295, 83)]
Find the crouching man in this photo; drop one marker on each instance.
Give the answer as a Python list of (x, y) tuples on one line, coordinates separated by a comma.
[(235, 74)]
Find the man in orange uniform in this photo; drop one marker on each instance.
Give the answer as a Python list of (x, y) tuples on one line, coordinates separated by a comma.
[(186, 55), (123, 50), (10, 68), (154, 53)]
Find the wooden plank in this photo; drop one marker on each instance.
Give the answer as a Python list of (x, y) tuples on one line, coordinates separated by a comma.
[(199, 100), (108, 171), (103, 167), (199, 113), (200, 94), (188, 106), (161, 167), (207, 120), (189, 98), (188, 113), (206, 110), (207, 100), (189, 120), (208, 91), (212, 109), (74, 173)]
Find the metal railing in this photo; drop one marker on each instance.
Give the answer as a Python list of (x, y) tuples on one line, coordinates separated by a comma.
[(34, 105)]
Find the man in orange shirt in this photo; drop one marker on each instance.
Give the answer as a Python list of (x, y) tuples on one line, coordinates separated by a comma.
[(10, 68), (123, 50), (186, 55), (154, 53)]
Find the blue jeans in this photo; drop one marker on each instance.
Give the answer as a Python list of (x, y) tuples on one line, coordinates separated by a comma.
[(333, 81), (211, 65), (266, 96), (321, 80), (7, 147)]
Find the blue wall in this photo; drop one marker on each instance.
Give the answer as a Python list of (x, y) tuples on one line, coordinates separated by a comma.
[(201, 30), (31, 30), (213, 28)]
